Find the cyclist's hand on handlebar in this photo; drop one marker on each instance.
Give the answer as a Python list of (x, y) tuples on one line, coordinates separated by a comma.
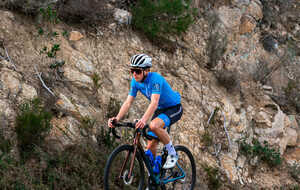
[(111, 121), (140, 124)]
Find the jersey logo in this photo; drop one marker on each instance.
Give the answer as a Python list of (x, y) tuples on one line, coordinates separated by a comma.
[(156, 87)]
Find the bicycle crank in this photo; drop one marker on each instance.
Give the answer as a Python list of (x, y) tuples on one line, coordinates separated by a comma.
[(125, 178)]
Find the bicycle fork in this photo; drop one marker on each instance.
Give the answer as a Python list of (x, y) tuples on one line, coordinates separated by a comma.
[(135, 143)]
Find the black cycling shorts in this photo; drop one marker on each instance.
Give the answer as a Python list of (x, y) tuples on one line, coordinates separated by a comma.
[(169, 115)]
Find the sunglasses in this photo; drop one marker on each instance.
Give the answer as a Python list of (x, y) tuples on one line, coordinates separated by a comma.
[(137, 71)]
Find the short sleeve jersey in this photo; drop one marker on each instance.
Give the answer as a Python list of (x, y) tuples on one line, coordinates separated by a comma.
[(156, 84)]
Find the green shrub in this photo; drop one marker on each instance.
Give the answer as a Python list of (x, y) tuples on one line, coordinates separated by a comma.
[(228, 79), (5, 142), (216, 48), (162, 17), (79, 166), (264, 153), (32, 125), (65, 34), (54, 49), (113, 107), (261, 72), (49, 14), (207, 139), (5, 145), (212, 177), (87, 126), (51, 53), (292, 95), (96, 80)]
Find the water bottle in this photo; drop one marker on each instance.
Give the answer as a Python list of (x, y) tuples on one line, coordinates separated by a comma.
[(150, 157), (157, 164)]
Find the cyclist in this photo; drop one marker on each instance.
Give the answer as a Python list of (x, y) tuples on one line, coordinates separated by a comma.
[(165, 107)]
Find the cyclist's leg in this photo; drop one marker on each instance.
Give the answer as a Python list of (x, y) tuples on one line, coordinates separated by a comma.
[(161, 120), (169, 117), (157, 126), (152, 146)]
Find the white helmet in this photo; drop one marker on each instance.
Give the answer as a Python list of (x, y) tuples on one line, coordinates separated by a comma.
[(141, 61)]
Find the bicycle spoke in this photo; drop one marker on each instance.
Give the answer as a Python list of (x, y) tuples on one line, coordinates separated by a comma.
[(185, 166)]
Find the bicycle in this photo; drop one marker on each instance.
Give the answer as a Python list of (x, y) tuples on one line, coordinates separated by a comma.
[(124, 168)]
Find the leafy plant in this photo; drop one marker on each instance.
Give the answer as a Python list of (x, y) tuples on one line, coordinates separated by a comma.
[(54, 49), (228, 79), (162, 17), (87, 126), (207, 139), (5, 145), (261, 72), (77, 167), (57, 64), (40, 31), (212, 177), (264, 153), (32, 125), (113, 107), (52, 53), (96, 79), (49, 14), (65, 33), (106, 139), (290, 187), (55, 34), (216, 48)]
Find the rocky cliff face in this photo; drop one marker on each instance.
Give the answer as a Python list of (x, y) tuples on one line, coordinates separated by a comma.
[(95, 73)]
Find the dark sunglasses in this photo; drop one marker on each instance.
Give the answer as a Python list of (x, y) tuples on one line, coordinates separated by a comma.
[(137, 71)]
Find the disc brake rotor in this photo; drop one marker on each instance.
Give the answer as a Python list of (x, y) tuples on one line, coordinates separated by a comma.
[(125, 178)]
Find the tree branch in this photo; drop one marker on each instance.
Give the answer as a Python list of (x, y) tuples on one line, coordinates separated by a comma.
[(43, 83), (9, 59), (226, 130)]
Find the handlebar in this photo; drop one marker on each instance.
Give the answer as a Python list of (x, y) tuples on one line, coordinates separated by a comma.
[(130, 125)]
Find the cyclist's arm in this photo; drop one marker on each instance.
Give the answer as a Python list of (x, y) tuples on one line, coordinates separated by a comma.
[(151, 108), (125, 107)]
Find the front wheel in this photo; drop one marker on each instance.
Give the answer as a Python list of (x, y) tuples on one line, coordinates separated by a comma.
[(185, 165), (115, 178)]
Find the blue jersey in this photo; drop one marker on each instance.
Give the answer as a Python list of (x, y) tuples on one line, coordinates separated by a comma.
[(156, 84)]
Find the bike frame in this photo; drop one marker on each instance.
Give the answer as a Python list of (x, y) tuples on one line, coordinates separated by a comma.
[(137, 147)]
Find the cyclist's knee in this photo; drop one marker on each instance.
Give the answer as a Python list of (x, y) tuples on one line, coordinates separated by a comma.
[(156, 124)]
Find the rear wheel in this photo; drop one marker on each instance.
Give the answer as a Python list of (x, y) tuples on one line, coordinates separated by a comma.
[(187, 163), (115, 178)]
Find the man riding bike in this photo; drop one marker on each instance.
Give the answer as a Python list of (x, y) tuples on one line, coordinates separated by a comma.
[(165, 107)]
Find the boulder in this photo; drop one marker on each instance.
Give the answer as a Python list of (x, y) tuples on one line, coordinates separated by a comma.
[(122, 16), (247, 25), (75, 36)]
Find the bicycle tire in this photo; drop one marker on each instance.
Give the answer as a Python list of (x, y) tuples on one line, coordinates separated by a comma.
[(185, 160), (113, 168)]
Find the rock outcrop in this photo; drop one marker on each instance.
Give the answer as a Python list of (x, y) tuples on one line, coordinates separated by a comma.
[(96, 69)]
